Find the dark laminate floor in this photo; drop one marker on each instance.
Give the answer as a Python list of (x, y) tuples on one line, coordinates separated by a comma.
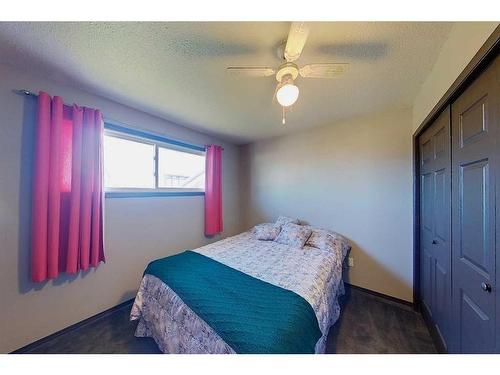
[(368, 324)]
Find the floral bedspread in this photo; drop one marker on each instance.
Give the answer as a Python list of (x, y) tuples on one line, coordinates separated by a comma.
[(314, 274)]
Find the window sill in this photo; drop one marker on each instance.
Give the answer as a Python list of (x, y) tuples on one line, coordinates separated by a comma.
[(146, 194)]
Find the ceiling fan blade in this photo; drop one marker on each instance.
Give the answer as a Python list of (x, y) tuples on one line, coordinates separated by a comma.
[(331, 70), (250, 71), (296, 40)]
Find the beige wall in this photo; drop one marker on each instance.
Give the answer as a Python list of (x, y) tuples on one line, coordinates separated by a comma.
[(137, 230), (353, 177), (464, 40)]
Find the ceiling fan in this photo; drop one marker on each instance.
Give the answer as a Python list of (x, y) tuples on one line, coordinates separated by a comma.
[(287, 92)]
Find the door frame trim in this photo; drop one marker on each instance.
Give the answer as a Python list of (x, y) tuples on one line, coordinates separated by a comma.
[(486, 54)]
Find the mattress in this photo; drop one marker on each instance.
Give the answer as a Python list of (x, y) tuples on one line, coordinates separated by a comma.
[(313, 274)]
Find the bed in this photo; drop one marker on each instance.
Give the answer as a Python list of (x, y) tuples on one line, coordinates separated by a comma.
[(300, 278)]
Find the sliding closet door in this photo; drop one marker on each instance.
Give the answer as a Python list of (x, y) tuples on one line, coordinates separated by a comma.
[(435, 223), (474, 169)]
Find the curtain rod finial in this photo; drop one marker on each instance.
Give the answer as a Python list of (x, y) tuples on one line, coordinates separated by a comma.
[(23, 92)]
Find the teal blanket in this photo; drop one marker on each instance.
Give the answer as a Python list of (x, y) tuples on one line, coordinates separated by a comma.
[(250, 315)]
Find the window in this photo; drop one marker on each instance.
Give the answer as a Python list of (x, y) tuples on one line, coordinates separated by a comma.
[(128, 163), (137, 163), (178, 169)]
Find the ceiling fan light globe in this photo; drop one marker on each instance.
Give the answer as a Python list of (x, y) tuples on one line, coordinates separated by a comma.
[(287, 95)]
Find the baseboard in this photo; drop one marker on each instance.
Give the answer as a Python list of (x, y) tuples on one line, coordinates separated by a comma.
[(28, 348), (436, 337), (382, 295)]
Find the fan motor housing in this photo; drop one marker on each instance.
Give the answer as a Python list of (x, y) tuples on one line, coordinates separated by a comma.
[(285, 69)]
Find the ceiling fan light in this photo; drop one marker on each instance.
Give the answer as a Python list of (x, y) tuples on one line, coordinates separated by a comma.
[(287, 94)]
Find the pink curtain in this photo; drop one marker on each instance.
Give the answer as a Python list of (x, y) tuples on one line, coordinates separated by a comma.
[(213, 190), (67, 215)]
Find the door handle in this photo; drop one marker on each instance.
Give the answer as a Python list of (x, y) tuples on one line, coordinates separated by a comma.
[(486, 287), (435, 242)]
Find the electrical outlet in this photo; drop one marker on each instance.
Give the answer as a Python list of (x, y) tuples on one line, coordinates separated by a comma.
[(351, 262)]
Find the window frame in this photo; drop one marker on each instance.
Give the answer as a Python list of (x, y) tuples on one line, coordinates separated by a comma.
[(157, 141)]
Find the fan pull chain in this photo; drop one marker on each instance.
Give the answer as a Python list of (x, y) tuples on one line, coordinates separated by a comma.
[(283, 121)]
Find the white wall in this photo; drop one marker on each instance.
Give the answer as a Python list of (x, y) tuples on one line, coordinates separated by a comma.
[(353, 177), (137, 230), (464, 40)]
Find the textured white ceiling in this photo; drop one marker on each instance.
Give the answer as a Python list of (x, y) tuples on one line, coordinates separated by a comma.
[(176, 70)]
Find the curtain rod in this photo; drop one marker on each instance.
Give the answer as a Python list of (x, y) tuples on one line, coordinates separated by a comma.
[(31, 93)]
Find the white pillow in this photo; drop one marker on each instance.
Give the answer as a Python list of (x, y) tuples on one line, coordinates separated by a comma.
[(324, 239), (266, 231), (293, 235), (283, 220)]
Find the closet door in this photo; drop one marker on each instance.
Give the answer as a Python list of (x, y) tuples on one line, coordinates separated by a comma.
[(474, 170), (496, 115), (435, 226)]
